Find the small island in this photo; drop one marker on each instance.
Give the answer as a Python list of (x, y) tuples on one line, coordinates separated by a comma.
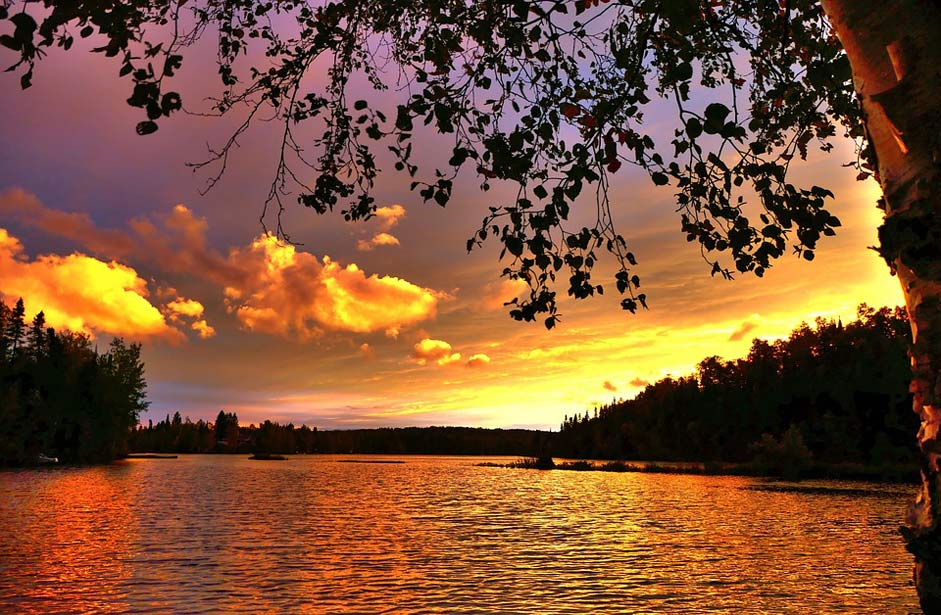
[(268, 457), (149, 456)]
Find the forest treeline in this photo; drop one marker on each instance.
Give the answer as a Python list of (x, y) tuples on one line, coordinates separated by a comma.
[(182, 435), (177, 434), (830, 392), (60, 397)]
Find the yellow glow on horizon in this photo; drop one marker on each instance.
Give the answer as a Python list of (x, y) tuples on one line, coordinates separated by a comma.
[(535, 378)]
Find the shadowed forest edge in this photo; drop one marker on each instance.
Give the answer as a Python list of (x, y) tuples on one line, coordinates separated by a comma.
[(831, 399)]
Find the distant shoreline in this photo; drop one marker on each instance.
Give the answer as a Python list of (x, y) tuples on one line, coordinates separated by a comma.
[(148, 456), (901, 474)]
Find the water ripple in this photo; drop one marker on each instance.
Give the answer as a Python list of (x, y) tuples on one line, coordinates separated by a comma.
[(206, 534)]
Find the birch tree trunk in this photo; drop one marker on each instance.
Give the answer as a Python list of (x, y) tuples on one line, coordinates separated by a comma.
[(894, 48)]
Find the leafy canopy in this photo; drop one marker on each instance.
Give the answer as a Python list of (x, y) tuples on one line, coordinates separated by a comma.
[(548, 96)]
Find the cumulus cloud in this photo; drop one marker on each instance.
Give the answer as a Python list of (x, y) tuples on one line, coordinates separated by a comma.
[(269, 286), (181, 310), (478, 360), (742, 330), (438, 351), (288, 292), (82, 293), (203, 328), (608, 385), (184, 307), (639, 382), (177, 242), (389, 216), (379, 239)]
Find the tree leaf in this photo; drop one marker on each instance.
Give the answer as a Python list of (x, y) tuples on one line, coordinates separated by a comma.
[(146, 128)]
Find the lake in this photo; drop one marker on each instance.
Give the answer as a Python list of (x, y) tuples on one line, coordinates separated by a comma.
[(313, 534)]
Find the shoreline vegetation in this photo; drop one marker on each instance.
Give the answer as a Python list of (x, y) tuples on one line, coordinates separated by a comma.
[(829, 401), (268, 457), (888, 473), (895, 473), (60, 397)]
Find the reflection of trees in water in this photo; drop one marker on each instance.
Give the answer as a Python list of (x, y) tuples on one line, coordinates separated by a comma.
[(311, 535)]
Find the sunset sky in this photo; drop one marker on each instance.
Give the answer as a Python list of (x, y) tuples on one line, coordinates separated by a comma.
[(384, 323)]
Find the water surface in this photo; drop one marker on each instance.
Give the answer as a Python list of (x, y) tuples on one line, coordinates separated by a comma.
[(209, 533)]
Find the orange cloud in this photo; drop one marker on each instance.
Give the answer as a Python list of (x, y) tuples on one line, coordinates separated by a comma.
[(496, 294), (75, 226), (270, 286), (175, 242), (379, 239), (366, 351), (203, 328), (287, 292), (438, 351), (390, 216), (639, 382), (191, 228), (81, 293), (478, 360), (184, 307), (742, 330), (180, 310), (608, 385)]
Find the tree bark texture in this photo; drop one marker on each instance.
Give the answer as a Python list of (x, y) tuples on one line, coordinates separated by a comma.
[(894, 48)]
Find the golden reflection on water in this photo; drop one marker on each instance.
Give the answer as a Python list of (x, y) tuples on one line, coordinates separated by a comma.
[(439, 535), (66, 538)]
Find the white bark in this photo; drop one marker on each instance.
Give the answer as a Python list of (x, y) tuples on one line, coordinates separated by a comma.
[(894, 48)]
